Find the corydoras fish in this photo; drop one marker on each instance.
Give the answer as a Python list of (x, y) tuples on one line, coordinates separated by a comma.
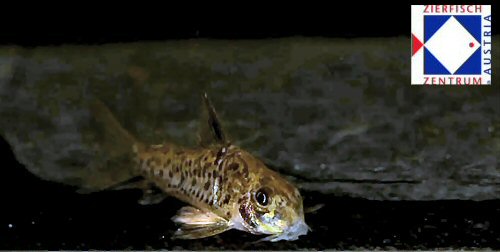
[(225, 186)]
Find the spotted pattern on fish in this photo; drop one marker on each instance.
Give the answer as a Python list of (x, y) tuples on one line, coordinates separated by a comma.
[(226, 186), (199, 177)]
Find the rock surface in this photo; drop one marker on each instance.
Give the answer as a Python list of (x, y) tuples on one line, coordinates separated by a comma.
[(338, 116)]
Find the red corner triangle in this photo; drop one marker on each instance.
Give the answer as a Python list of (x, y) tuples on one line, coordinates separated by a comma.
[(416, 44)]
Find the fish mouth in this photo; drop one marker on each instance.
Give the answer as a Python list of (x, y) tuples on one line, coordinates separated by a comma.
[(291, 233)]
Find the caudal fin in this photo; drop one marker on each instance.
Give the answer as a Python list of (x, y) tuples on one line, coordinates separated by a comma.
[(115, 138), (115, 148)]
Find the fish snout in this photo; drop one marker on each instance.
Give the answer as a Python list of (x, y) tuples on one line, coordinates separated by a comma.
[(298, 228), (293, 232)]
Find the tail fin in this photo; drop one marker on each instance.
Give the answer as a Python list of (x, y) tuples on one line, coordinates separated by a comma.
[(115, 147), (115, 137)]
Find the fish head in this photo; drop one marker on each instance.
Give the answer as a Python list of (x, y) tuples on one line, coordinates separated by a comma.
[(271, 205)]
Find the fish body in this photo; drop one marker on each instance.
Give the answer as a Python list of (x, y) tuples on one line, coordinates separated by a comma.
[(225, 186)]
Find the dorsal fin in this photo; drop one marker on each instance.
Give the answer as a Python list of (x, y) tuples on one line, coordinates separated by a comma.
[(210, 131)]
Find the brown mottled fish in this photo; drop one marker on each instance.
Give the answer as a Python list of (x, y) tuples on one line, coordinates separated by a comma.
[(225, 186)]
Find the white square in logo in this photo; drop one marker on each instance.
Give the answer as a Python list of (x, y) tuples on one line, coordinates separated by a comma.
[(451, 45)]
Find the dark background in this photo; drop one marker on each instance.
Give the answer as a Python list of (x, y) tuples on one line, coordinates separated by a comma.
[(89, 24), (36, 214)]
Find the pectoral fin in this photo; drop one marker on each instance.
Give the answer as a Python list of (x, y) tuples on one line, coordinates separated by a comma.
[(197, 224)]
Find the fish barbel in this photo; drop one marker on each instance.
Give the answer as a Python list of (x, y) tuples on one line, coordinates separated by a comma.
[(225, 186)]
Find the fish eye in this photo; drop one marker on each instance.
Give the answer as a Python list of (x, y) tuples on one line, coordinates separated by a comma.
[(262, 197)]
